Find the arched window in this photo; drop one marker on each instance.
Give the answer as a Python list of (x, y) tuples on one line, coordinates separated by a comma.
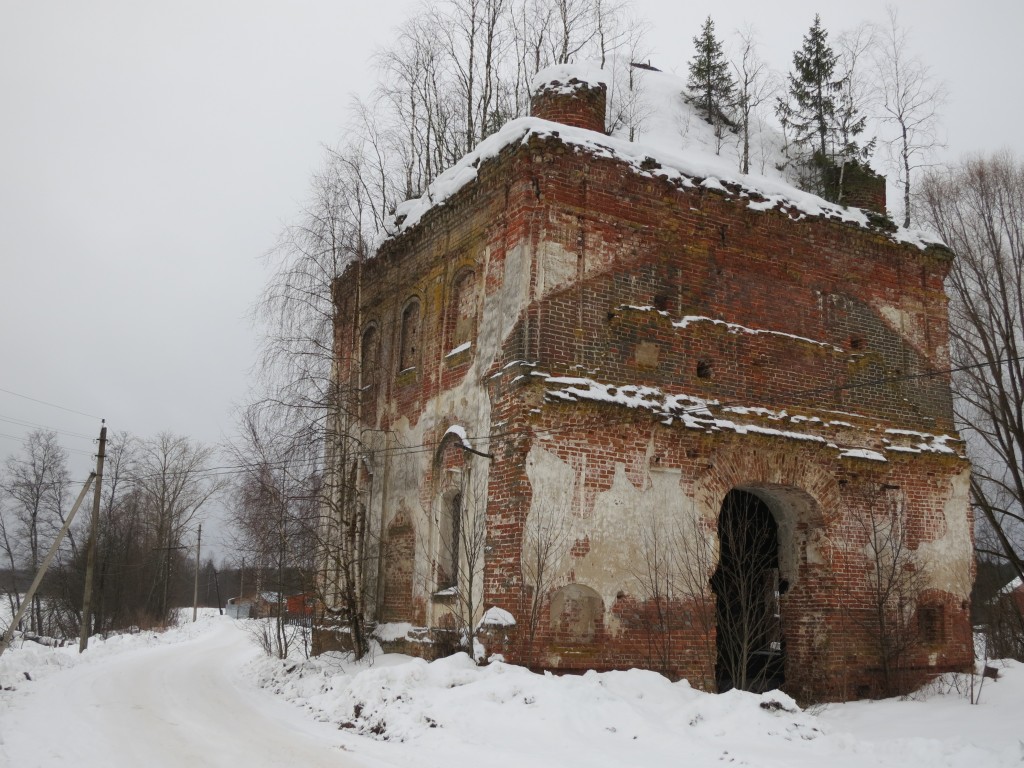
[(462, 309), (409, 346), (451, 530), (369, 360)]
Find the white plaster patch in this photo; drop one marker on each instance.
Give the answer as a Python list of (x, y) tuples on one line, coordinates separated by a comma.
[(946, 561)]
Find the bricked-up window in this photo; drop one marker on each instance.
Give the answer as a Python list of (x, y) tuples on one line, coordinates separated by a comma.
[(451, 528), (462, 310), (930, 625), (577, 612), (409, 346), (369, 360)]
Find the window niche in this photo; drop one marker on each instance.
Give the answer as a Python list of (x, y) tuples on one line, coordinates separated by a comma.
[(369, 359), (409, 342), (448, 546), (462, 311)]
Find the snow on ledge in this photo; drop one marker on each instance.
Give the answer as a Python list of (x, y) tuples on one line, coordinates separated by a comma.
[(707, 415), (460, 432), (688, 320), (497, 617), (388, 633), (862, 453), (460, 349)]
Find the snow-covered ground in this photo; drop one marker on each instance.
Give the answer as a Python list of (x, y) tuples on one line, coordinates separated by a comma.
[(202, 694)]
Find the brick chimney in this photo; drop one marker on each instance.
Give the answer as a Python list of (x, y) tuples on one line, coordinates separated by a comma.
[(858, 186), (570, 95)]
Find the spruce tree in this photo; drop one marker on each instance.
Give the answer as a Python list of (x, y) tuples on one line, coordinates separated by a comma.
[(812, 91), (824, 124), (710, 84)]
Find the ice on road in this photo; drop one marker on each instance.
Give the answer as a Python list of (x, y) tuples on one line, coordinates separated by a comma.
[(181, 704)]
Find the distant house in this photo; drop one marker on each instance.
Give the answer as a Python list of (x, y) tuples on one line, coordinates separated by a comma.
[(1014, 594), (266, 604), (301, 606), (238, 607)]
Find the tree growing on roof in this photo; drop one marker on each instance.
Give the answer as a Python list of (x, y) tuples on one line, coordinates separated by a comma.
[(910, 99), (710, 84), (755, 85), (820, 117)]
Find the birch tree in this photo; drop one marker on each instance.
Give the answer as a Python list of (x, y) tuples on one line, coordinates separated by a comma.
[(910, 99)]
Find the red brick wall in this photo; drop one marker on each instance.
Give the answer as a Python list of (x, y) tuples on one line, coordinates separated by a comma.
[(642, 240), (574, 103)]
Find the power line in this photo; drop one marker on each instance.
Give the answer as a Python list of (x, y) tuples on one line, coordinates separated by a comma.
[(52, 405), (21, 439), (426, 447), (23, 423), (313, 463)]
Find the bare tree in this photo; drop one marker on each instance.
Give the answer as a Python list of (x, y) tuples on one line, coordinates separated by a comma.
[(747, 588), (34, 484), (171, 473), (311, 376), (461, 531), (676, 561), (896, 581), (8, 534), (910, 99), (274, 514), (545, 544), (978, 209), (755, 86)]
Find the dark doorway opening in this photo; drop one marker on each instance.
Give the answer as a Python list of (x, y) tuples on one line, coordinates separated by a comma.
[(750, 651)]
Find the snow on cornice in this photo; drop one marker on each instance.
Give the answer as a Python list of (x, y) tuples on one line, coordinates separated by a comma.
[(688, 320), (688, 168), (559, 76), (710, 416)]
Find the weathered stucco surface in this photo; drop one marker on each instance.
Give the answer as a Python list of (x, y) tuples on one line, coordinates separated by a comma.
[(641, 349)]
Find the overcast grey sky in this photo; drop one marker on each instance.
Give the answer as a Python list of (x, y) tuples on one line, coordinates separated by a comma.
[(151, 151)]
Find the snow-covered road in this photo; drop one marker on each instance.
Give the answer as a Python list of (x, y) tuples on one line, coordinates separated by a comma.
[(181, 704)]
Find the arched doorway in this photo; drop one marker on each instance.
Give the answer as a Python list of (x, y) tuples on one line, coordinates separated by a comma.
[(750, 653)]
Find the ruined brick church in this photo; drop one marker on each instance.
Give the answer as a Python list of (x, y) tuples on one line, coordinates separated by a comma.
[(616, 406)]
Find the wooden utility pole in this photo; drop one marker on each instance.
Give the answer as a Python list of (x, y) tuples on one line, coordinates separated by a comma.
[(27, 600), (90, 561), (195, 589)]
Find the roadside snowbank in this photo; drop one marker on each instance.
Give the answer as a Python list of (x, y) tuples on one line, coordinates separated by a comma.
[(450, 709), (392, 710)]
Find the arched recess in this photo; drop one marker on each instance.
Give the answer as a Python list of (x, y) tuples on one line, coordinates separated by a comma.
[(461, 315), (748, 587), (409, 337), (369, 371), (449, 539), (451, 475)]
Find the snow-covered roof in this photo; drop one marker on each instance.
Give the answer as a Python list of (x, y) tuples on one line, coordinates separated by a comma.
[(673, 142)]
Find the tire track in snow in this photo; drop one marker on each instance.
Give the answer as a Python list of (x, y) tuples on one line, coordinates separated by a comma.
[(181, 704)]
